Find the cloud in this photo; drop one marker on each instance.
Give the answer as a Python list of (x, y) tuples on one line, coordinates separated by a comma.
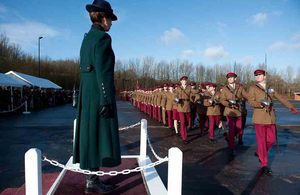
[(189, 53), (259, 19), (247, 60), (173, 35), (26, 34), (215, 53), (281, 45)]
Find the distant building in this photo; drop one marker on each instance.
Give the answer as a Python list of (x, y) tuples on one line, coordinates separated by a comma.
[(297, 96)]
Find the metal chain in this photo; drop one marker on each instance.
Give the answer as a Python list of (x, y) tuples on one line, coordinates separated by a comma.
[(8, 111), (102, 173), (129, 127), (152, 150), (113, 173)]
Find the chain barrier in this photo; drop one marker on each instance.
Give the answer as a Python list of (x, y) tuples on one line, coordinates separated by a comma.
[(112, 173), (102, 173), (129, 127), (9, 111), (152, 150)]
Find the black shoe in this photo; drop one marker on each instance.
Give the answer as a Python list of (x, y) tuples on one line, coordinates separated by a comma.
[(266, 170), (94, 185)]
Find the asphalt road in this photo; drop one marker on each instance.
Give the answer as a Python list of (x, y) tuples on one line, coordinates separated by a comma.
[(207, 168)]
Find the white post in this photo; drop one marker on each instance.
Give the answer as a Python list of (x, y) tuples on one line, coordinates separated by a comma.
[(26, 108), (33, 172), (74, 132), (175, 171), (143, 144)]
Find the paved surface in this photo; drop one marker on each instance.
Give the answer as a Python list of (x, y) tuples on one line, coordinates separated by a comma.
[(207, 168)]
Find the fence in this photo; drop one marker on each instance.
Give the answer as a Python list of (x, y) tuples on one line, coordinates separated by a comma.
[(33, 170)]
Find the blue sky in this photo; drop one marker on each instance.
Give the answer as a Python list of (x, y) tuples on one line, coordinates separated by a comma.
[(201, 31)]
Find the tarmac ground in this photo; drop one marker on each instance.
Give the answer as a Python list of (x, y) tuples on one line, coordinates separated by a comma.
[(207, 167)]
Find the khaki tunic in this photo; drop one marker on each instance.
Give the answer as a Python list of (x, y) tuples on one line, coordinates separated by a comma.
[(155, 98), (260, 115), (239, 94), (212, 109), (170, 100), (163, 99), (159, 98), (184, 96)]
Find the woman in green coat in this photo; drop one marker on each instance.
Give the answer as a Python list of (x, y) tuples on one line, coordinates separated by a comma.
[(96, 142)]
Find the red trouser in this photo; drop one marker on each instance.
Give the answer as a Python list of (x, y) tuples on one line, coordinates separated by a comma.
[(214, 121), (183, 117), (158, 113), (265, 138), (154, 112), (175, 115), (149, 111), (235, 128), (170, 118)]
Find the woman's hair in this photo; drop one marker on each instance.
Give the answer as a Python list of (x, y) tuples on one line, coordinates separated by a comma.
[(96, 17)]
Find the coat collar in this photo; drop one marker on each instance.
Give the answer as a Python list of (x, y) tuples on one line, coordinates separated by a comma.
[(97, 26)]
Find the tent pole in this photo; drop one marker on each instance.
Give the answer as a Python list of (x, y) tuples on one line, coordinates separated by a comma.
[(11, 98)]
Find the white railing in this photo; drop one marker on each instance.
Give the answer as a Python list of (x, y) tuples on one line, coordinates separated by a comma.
[(33, 173)]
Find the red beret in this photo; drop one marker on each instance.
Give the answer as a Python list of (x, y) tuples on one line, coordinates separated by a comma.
[(183, 78), (203, 85), (231, 74), (171, 85), (211, 84), (259, 71), (193, 83), (166, 85)]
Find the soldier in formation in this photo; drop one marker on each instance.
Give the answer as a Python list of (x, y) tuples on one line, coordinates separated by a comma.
[(184, 105)]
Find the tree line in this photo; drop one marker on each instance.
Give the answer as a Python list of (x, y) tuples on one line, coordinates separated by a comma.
[(145, 72)]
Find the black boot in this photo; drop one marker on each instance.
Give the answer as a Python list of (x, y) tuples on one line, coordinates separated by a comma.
[(266, 170), (94, 185)]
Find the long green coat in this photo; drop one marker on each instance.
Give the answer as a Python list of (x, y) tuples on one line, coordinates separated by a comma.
[(96, 141)]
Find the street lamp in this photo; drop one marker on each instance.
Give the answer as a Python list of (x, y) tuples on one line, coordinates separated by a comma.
[(39, 45)]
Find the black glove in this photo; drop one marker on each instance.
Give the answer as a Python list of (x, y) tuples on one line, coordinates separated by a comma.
[(105, 111)]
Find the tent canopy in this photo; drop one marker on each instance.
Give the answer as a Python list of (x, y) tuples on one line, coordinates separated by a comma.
[(33, 81), (7, 81)]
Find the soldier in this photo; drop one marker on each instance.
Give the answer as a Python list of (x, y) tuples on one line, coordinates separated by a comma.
[(193, 104), (169, 105), (260, 97), (182, 98), (201, 109), (163, 103), (175, 114), (154, 98), (232, 97), (211, 101)]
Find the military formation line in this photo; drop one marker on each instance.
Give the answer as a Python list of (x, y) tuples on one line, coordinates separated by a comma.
[(178, 105)]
